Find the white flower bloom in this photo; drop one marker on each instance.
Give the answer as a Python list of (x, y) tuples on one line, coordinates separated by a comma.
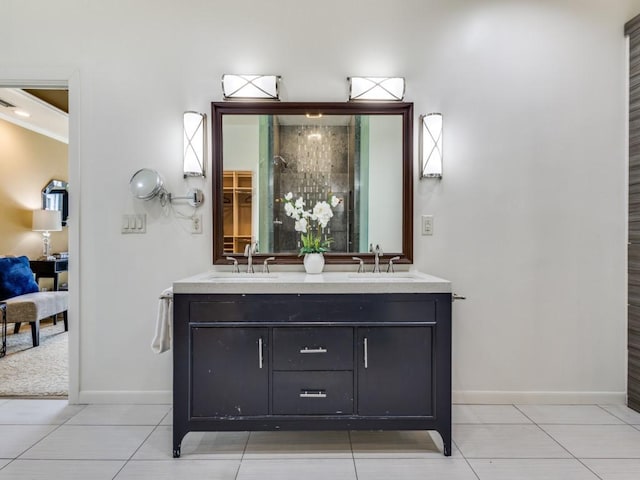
[(290, 211), (322, 212), (310, 222), (301, 225)]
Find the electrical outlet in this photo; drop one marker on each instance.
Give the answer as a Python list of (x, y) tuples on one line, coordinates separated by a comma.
[(196, 224), (427, 224)]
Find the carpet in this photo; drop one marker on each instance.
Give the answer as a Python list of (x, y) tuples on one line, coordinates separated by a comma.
[(42, 371)]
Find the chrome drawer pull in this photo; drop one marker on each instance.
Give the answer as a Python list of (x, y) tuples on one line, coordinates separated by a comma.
[(260, 358), (366, 353), (313, 350), (313, 394)]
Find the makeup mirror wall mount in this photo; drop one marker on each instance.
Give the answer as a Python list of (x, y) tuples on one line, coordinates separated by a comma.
[(360, 152)]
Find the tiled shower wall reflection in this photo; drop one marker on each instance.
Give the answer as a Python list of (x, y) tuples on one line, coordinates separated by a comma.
[(319, 163)]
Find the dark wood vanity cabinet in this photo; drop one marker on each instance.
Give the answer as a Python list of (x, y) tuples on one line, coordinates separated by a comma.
[(229, 372), (394, 375), (312, 362)]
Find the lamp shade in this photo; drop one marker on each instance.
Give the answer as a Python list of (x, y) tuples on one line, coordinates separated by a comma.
[(431, 145), (376, 88), (250, 86), (47, 221), (194, 144)]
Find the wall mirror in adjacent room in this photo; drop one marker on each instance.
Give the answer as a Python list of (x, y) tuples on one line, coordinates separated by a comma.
[(359, 152), (55, 196)]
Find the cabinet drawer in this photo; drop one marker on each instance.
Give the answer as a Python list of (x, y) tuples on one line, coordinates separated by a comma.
[(314, 348), (312, 393)]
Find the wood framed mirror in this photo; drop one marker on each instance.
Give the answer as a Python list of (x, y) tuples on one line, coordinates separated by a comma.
[(359, 152)]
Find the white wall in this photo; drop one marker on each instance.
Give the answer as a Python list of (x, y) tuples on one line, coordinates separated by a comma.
[(385, 182), (529, 217)]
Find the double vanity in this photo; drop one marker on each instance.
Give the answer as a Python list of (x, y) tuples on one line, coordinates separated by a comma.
[(290, 351), (331, 351)]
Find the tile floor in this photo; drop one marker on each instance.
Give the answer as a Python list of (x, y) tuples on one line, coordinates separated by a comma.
[(50, 439)]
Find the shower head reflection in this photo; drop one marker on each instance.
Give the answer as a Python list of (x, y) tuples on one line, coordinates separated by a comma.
[(278, 160)]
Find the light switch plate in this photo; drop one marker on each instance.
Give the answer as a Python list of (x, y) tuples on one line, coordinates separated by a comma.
[(134, 223), (427, 224)]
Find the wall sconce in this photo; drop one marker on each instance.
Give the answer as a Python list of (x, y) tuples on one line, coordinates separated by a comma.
[(147, 184), (250, 86), (431, 145), (376, 88), (194, 143), (46, 221)]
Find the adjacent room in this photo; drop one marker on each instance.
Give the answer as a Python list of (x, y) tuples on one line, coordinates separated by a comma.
[(34, 217)]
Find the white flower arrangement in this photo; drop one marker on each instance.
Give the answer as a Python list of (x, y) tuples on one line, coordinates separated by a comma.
[(311, 223)]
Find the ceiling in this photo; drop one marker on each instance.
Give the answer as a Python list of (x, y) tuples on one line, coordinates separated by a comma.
[(56, 98), (45, 111)]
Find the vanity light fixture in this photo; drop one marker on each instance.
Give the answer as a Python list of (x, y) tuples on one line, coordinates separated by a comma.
[(263, 87), (194, 143), (46, 221), (147, 184), (376, 88), (431, 145)]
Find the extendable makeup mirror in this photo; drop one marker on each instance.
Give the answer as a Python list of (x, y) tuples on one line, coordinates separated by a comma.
[(147, 184)]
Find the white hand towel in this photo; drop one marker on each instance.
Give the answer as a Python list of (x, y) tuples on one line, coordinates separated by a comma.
[(162, 338)]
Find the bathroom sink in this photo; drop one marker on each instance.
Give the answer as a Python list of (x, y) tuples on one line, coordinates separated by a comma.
[(231, 277), (384, 277)]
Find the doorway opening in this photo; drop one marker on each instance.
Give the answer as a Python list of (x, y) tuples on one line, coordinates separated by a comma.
[(34, 125)]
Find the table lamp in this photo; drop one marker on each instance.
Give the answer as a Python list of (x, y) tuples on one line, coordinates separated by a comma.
[(47, 221)]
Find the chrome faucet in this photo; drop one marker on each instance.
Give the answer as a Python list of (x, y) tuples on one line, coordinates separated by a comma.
[(236, 269), (376, 258), (249, 250), (265, 265), (390, 266), (360, 264)]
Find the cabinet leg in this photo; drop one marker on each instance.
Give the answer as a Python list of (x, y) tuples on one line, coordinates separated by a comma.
[(176, 452), (446, 441)]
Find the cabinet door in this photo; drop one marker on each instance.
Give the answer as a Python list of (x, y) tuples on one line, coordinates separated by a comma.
[(229, 372), (395, 371)]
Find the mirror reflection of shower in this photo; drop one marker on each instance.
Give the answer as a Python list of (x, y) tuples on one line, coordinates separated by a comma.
[(312, 161), (278, 160)]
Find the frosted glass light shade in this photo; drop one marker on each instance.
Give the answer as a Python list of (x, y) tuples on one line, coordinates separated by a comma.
[(250, 86), (194, 146), (47, 221), (431, 145), (376, 88)]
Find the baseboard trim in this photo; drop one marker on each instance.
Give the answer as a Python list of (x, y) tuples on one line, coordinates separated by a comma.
[(558, 398), (153, 397)]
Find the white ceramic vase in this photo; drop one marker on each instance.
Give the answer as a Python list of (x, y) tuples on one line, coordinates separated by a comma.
[(313, 262)]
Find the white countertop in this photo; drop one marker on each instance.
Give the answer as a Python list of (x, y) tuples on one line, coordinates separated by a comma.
[(300, 282)]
